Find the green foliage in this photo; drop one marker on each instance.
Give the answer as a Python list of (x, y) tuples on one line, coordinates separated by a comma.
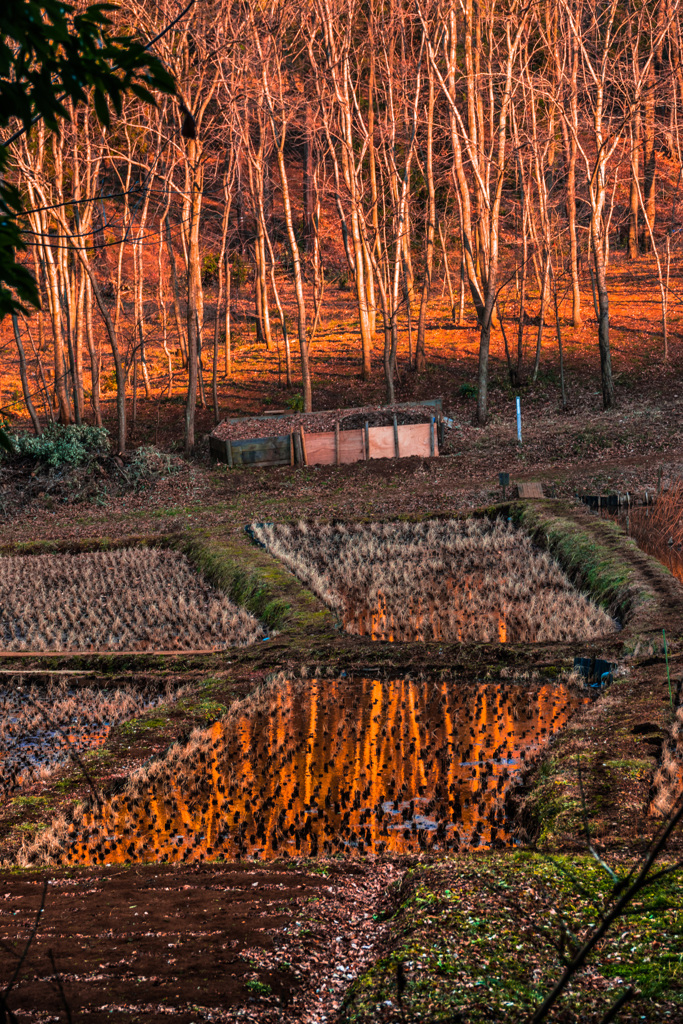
[(239, 271), (468, 390), (483, 939), (108, 382), (29, 803), (50, 54), (64, 446), (296, 402), (148, 463), (259, 988), (6, 442), (141, 725), (210, 265), (211, 710)]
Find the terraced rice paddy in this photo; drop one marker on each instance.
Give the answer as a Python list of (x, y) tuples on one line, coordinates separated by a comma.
[(43, 727), (127, 599), (472, 581), (327, 767)]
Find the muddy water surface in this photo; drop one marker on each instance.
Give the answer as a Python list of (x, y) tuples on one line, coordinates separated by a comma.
[(669, 556), (423, 617), (42, 727), (336, 767)]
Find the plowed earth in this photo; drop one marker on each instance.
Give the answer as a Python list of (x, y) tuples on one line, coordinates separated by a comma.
[(190, 944)]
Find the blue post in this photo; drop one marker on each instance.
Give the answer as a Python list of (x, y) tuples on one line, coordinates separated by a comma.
[(519, 421)]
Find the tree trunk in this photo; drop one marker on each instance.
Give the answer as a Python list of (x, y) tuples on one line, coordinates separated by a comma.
[(420, 354), (214, 366), (182, 342), (261, 285), (603, 322), (483, 371), (162, 310), (298, 279), (541, 315), (228, 346), (649, 160), (111, 332), (308, 175), (634, 203), (52, 284), (79, 399), (93, 354), (193, 285), (24, 377)]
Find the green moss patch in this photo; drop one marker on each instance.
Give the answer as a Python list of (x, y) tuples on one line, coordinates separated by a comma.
[(483, 938), (593, 555), (244, 584), (138, 725)]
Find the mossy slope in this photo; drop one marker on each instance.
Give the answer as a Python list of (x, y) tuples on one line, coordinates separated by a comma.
[(482, 938)]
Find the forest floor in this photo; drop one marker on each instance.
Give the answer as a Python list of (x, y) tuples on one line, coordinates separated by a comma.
[(478, 937)]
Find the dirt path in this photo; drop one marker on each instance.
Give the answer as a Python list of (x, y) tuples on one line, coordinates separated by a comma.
[(212, 943)]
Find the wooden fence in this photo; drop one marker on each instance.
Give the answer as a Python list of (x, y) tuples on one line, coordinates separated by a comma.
[(333, 447)]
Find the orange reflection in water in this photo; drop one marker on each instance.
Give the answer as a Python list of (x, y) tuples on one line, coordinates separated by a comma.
[(341, 766), (424, 618), (668, 555)]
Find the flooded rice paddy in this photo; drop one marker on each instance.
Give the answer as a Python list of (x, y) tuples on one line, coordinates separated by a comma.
[(44, 727), (469, 581), (329, 767), (422, 617)]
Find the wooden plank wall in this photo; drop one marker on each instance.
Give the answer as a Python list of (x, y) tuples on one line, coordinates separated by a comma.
[(413, 439), (321, 449), (258, 451)]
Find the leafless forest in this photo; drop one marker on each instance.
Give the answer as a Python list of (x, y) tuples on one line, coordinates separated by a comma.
[(469, 581), (129, 599), (505, 149)]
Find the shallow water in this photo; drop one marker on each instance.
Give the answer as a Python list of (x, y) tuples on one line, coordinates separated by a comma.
[(422, 618), (41, 728), (668, 556), (337, 767)]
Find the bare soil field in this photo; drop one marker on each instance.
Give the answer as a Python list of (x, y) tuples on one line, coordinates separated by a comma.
[(215, 943)]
